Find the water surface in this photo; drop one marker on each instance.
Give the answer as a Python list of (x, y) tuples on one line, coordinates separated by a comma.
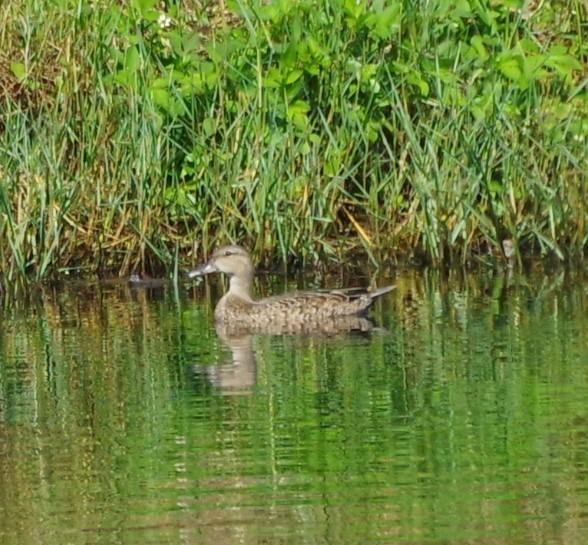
[(125, 418)]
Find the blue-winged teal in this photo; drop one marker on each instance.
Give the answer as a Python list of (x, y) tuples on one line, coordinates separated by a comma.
[(238, 308)]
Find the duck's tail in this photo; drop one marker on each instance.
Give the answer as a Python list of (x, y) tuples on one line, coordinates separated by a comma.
[(380, 291)]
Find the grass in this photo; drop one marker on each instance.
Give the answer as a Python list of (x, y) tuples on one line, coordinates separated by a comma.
[(135, 135)]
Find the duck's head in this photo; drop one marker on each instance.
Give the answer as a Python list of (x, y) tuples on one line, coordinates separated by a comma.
[(232, 260)]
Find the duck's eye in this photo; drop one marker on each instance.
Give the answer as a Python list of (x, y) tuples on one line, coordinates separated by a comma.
[(228, 252)]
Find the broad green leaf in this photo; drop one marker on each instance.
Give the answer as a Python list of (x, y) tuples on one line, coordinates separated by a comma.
[(132, 59), (292, 76), (19, 70), (510, 67), (161, 97), (478, 44), (299, 106), (209, 126), (388, 21), (143, 6), (159, 83), (416, 80), (273, 78), (563, 64)]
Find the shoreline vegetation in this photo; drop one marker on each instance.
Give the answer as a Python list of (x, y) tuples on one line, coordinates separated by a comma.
[(139, 135)]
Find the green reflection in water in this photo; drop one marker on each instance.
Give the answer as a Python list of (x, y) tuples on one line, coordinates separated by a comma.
[(124, 418)]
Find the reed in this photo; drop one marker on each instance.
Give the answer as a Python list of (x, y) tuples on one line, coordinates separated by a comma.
[(134, 136)]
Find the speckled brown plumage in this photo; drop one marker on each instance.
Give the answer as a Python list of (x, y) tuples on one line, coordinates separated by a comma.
[(237, 308)]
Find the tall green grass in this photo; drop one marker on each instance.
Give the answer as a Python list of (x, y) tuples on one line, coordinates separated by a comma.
[(133, 133)]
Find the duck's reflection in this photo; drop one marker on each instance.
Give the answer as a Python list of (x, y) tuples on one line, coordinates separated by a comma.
[(239, 373)]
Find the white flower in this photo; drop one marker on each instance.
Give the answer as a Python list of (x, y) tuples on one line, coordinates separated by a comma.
[(164, 21)]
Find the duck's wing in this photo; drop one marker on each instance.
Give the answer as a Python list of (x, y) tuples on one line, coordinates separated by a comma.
[(355, 293), (342, 294), (306, 304), (302, 296)]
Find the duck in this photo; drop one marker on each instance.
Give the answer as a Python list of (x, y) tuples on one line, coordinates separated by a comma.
[(298, 310)]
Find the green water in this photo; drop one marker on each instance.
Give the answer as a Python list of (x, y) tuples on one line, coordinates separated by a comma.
[(125, 419)]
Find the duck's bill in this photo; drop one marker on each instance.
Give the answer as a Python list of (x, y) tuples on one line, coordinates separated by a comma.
[(202, 270)]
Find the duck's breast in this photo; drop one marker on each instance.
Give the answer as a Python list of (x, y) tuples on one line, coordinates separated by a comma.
[(232, 308)]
